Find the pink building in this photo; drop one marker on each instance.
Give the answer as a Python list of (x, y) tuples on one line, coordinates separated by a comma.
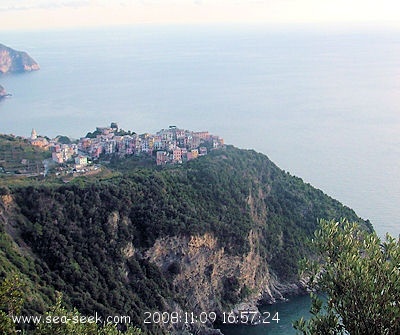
[(161, 158)]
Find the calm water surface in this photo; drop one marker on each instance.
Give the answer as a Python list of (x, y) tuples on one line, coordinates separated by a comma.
[(288, 312)]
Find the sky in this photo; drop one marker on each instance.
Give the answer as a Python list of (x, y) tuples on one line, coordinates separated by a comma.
[(42, 14)]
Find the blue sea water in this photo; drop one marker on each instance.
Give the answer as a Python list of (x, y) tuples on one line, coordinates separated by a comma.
[(323, 105), (281, 317)]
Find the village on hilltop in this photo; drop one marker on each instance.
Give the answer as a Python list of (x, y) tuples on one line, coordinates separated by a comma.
[(169, 146)]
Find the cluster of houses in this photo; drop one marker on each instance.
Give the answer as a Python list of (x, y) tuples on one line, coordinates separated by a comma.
[(169, 146), (60, 153)]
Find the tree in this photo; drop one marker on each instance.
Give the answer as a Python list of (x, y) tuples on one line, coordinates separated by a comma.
[(59, 320), (360, 275), (64, 139), (11, 302)]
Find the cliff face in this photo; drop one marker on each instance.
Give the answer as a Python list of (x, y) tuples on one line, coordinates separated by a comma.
[(207, 275), (16, 61)]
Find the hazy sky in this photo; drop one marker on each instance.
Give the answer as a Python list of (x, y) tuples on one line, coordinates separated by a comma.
[(38, 14)]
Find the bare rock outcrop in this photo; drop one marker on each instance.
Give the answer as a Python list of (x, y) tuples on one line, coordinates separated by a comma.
[(207, 275)]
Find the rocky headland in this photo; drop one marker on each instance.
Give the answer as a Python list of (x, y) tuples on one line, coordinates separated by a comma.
[(3, 92), (220, 234), (16, 61)]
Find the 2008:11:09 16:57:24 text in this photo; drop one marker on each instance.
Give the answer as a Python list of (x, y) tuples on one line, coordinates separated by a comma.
[(243, 317)]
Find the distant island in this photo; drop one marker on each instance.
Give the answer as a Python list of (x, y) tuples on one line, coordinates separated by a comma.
[(3, 92), (13, 61)]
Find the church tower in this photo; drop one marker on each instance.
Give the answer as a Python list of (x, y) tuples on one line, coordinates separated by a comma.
[(33, 134)]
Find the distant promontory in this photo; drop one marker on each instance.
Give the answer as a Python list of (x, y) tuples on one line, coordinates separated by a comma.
[(3, 92), (16, 61)]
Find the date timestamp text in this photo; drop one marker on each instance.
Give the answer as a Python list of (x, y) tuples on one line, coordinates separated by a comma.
[(242, 317), (250, 317)]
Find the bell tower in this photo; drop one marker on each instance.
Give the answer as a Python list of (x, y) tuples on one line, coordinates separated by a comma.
[(33, 134)]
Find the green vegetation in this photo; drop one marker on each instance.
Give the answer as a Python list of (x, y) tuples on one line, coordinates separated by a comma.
[(131, 162), (76, 323), (73, 237), (10, 303), (57, 320), (360, 275), (17, 155), (93, 134), (119, 132), (63, 139)]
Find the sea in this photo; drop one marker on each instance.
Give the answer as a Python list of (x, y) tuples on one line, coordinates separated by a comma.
[(323, 104)]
